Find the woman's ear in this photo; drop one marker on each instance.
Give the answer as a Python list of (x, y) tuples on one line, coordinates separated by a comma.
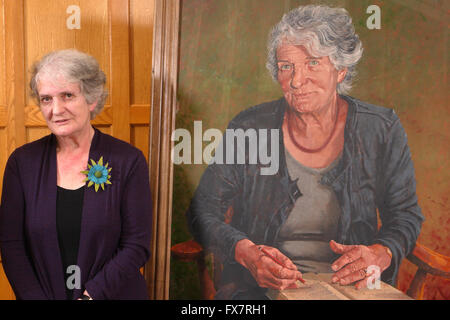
[(341, 74), (93, 105)]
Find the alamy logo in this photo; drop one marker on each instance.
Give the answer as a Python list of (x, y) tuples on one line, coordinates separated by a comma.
[(235, 146), (374, 20), (74, 20), (74, 280), (373, 280)]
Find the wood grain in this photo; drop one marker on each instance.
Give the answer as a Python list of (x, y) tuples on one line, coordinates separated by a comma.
[(3, 155), (120, 62), (2, 62), (6, 292), (45, 31), (140, 114), (3, 116), (14, 93), (140, 138), (35, 133), (162, 122), (141, 35), (15, 73)]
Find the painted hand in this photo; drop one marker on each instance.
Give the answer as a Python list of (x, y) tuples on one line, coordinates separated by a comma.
[(267, 272), (352, 265)]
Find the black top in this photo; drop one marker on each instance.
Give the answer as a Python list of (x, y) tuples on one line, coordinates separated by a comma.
[(69, 205)]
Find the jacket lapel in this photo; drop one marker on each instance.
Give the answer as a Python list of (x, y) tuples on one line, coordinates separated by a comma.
[(46, 197), (85, 248), (96, 209)]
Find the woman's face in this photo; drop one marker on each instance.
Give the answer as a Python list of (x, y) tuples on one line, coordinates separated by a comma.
[(64, 107), (308, 82)]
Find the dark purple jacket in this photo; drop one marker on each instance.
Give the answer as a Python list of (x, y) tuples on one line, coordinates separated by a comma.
[(115, 227)]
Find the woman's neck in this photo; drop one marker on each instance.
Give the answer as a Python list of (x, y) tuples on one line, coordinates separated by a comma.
[(79, 142), (309, 123)]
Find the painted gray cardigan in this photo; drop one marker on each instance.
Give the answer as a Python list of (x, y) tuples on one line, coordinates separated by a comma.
[(374, 172)]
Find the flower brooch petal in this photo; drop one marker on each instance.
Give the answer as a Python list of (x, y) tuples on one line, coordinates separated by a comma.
[(97, 174)]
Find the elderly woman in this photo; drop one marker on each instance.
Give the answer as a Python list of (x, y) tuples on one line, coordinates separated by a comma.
[(75, 220), (340, 161)]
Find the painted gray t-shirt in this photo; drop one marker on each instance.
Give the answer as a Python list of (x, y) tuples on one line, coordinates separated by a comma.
[(313, 222)]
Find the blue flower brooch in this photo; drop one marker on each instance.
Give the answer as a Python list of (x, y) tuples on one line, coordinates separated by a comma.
[(98, 174)]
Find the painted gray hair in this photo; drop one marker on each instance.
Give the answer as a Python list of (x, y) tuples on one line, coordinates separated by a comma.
[(75, 67), (323, 31)]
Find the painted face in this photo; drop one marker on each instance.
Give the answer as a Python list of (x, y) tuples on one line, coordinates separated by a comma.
[(64, 107), (308, 82)]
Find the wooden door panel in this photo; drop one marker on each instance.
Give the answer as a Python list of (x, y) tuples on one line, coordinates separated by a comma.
[(46, 30), (104, 129), (35, 133), (2, 69), (139, 138), (3, 155), (6, 292), (141, 38), (141, 17)]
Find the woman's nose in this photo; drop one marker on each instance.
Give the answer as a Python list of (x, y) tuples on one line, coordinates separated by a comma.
[(298, 78), (58, 106)]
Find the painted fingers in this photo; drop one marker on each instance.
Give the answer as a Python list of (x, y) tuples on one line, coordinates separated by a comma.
[(272, 269), (352, 266)]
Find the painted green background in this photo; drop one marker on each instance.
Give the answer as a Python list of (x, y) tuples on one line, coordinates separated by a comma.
[(404, 66)]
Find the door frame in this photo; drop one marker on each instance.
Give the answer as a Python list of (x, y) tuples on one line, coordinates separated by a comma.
[(162, 122)]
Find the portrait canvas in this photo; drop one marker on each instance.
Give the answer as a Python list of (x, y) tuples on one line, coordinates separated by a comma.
[(222, 71)]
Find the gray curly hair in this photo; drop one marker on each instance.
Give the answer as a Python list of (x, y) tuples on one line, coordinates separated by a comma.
[(76, 67), (323, 31)]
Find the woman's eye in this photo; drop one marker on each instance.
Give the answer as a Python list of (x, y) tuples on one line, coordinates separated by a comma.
[(313, 63), (45, 99), (285, 67), (68, 95)]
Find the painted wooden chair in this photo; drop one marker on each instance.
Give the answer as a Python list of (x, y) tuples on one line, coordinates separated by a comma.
[(427, 261), (192, 251)]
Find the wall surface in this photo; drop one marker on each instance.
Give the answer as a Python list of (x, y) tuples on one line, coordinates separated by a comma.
[(404, 67)]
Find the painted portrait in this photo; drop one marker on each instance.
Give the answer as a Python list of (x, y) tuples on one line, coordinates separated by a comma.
[(342, 111)]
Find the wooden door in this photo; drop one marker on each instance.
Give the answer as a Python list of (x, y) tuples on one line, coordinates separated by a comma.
[(116, 32)]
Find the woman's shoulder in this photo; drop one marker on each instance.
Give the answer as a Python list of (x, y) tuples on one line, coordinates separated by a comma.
[(370, 112), (264, 115), (33, 148), (372, 121)]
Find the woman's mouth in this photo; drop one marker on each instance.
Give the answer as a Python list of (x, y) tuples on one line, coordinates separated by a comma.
[(303, 95), (61, 122)]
